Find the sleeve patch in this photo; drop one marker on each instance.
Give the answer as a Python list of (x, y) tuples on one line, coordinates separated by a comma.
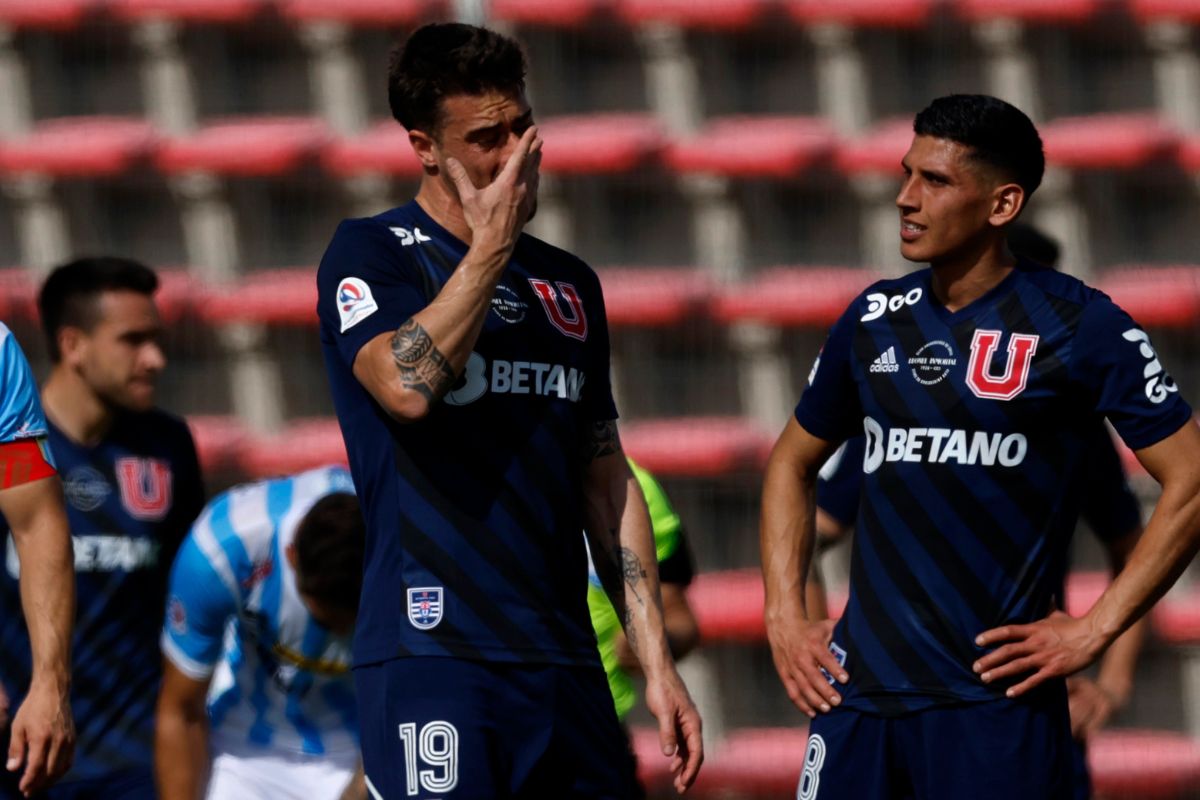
[(354, 302), (24, 462)]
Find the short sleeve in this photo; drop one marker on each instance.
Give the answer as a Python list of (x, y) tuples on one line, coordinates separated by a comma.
[(199, 606), (21, 414), (839, 484), (1123, 378), (1109, 507), (830, 407), (599, 404), (366, 286)]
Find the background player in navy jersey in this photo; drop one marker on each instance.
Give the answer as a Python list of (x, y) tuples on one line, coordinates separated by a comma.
[(978, 383), (133, 487), (42, 734), (469, 369)]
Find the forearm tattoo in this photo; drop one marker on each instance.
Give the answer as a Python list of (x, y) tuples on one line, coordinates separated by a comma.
[(601, 440), (422, 366)]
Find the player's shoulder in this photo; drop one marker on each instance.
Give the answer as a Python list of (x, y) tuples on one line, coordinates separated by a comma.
[(563, 262), (887, 293), (1059, 286), (357, 239), (161, 425)]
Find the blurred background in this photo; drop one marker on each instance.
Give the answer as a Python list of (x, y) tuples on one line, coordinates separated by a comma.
[(728, 166)]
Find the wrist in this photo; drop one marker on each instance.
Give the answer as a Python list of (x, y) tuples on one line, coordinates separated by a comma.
[(50, 679)]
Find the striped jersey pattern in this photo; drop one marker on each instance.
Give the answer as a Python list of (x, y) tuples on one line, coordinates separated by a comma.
[(973, 464)]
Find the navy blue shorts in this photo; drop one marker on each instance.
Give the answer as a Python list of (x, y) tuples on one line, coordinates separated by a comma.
[(129, 785), (999, 750), (451, 728)]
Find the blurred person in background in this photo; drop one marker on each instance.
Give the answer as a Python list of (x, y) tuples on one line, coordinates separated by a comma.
[(257, 699), (675, 572), (41, 737), (132, 484), (469, 367)]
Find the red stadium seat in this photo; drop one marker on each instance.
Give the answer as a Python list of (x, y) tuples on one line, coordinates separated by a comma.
[(793, 296), (384, 149), (304, 444), (52, 14), (729, 14), (78, 147), (862, 13), (1152, 10), (878, 151), (18, 294), (646, 296), (271, 297), (1141, 764), (746, 146), (697, 446), (218, 441), (1189, 153), (556, 13), (1176, 618), (1038, 11), (1166, 297), (653, 768), (201, 11), (379, 13), (258, 146), (177, 293), (755, 762), (1108, 141), (590, 144)]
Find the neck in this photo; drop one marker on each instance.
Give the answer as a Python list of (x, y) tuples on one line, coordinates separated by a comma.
[(444, 207), (74, 408), (961, 280)]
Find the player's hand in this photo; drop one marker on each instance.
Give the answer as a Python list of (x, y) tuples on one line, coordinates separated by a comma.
[(501, 209), (43, 736), (800, 649), (1091, 706), (1054, 647), (678, 726)]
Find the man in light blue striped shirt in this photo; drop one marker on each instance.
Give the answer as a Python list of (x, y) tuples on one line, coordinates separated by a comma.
[(257, 698)]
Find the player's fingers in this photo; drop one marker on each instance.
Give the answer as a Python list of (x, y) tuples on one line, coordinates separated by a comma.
[(695, 754), (35, 764), (814, 687), (1015, 667), (516, 159), (16, 749), (666, 732), (1034, 680), (460, 178), (1002, 655), (795, 693), (829, 661), (1002, 634)]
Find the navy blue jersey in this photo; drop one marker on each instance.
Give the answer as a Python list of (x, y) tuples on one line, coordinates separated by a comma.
[(473, 513), (1108, 504), (130, 502), (978, 424)]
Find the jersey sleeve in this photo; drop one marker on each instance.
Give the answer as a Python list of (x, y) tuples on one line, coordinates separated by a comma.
[(1109, 507), (839, 484), (365, 286), (599, 404), (830, 407), (1123, 378), (21, 414), (200, 602)]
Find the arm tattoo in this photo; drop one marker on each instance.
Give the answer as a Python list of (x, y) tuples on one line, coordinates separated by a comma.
[(422, 366), (632, 571), (602, 440)]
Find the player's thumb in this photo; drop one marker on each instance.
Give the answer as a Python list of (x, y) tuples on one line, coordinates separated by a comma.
[(666, 733), (16, 748), (458, 175)]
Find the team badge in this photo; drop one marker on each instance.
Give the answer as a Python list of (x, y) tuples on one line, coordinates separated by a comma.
[(508, 305), (563, 306), (85, 488), (933, 362), (1010, 383), (354, 302), (177, 616), (145, 486), (425, 607)]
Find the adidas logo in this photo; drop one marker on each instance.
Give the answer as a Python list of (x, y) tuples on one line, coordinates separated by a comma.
[(886, 362)]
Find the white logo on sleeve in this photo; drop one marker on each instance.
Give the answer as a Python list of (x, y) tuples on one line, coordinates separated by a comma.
[(886, 362), (354, 302), (1158, 383)]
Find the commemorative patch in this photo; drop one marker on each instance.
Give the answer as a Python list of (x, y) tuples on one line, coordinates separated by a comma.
[(425, 607), (354, 302)]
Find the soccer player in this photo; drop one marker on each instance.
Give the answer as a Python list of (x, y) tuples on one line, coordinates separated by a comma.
[(132, 485), (469, 369), (978, 383), (42, 734), (268, 709)]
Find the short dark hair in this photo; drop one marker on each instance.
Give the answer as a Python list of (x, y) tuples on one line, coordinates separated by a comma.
[(445, 59), (330, 545), (1029, 242), (998, 134), (69, 295)]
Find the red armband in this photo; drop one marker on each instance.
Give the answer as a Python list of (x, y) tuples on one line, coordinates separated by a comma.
[(24, 462)]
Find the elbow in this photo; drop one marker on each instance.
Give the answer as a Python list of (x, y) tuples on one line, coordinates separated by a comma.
[(406, 406)]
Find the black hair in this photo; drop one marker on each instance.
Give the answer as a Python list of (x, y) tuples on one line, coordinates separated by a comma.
[(1029, 242), (445, 59), (330, 543), (998, 134), (69, 296)]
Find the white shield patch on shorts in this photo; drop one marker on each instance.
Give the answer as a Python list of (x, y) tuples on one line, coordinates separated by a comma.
[(425, 607)]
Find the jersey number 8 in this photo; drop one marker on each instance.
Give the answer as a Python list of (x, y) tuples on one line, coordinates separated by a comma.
[(435, 746)]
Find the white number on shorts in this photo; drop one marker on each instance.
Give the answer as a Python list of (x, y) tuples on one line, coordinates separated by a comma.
[(814, 759), (437, 746)]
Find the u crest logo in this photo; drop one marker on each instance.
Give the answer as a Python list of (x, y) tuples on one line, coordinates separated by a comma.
[(1021, 347), (571, 320), (145, 485)]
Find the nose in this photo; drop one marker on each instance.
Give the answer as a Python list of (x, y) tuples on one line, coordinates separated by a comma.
[(906, 198), (153, 357)]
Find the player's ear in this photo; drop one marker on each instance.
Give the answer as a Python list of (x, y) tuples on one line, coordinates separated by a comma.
[(1008, 200), (423, 145), (71, 341), (289, 553)]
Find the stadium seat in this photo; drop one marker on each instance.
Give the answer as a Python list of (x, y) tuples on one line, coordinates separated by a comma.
[(653, 769), (178, 292), (1176, 618), (219, 439), (878, 151), (1143, 764), (1108, 141), (727, 14), (754, 146), (257, 146), (1164, 297), (1189, 153), (288, 297), (793, 296), (302, 445), (755, 762), (590, 144), (78, 147), (551, 13), (1035, 11), (199, 11), (862, 13), (697, 447), (51, 14), (365, 13), (1153, 10), (646, 296), (383, 149), (18, 294)]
